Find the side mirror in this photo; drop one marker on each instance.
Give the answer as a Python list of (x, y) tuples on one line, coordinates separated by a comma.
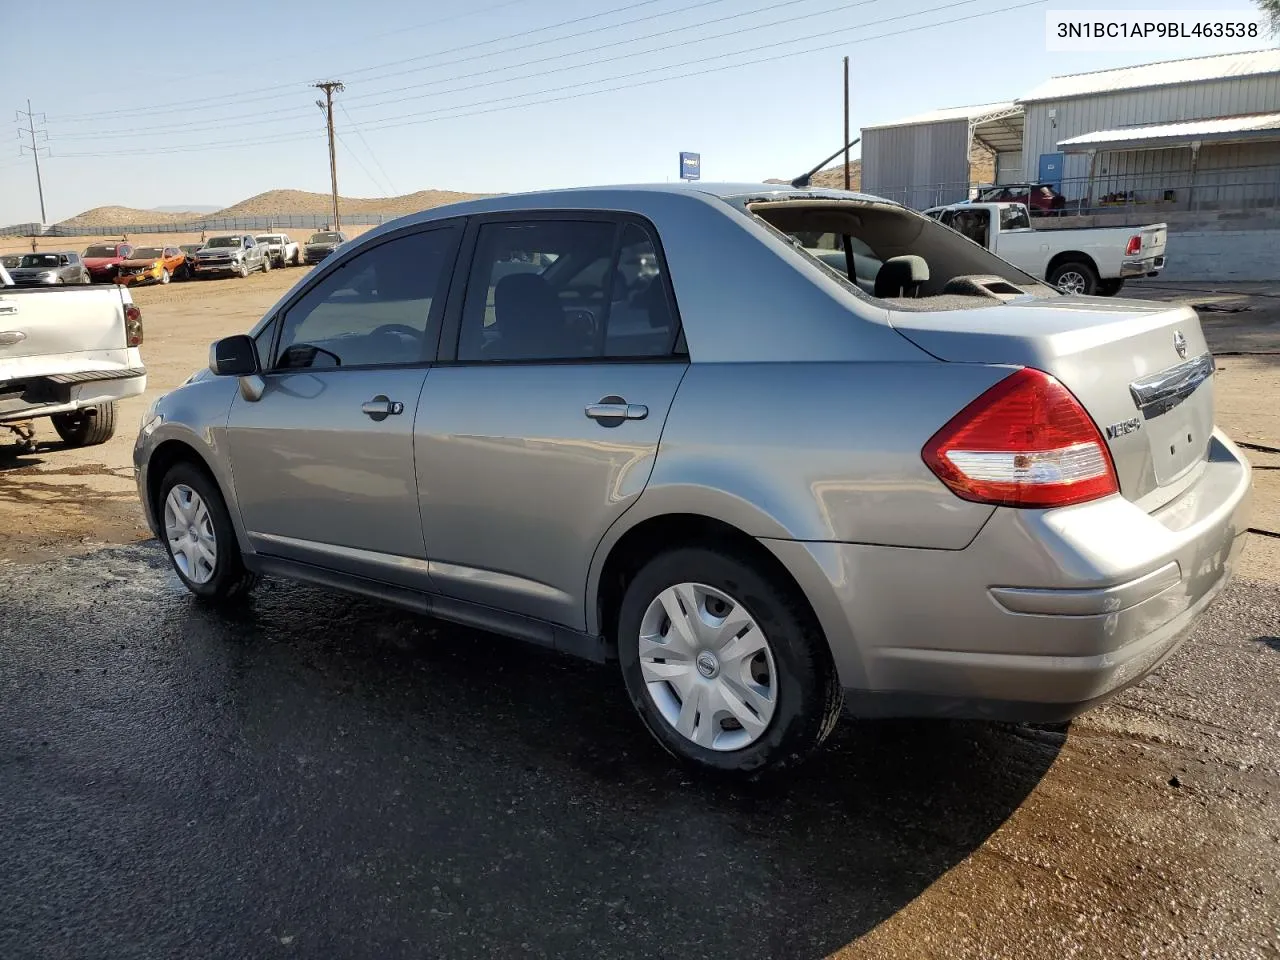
[(235, 356)]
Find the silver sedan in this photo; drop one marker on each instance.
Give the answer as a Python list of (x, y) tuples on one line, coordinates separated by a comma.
[(770, 450)]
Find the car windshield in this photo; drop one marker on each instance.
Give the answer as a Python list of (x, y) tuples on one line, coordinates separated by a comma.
[(325, 238), (215, 242), (39, 260), (148, 253), (100, 251)]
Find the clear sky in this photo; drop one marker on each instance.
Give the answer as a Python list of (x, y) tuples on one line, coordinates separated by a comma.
[(148, 105)]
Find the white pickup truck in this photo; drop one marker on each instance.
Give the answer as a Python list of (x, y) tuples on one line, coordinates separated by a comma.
[(1091, 260), (283, 250), (67, 353)]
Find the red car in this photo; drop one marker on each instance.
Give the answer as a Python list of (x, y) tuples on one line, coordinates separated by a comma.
[(103, 260), (1040, 198)]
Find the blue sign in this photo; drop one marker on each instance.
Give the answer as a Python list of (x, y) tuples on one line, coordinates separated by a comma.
[(690, 166)]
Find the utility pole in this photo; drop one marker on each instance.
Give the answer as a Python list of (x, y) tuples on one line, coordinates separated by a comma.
[(846, 123), (330, 87), (35, 151)]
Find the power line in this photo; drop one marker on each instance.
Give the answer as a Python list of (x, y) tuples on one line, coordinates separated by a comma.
[(490, 106), (356, 157), (185, 105), (373, 156), (261, 117)]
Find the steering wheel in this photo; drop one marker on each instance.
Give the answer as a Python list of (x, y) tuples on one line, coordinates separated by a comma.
[(399, 329)]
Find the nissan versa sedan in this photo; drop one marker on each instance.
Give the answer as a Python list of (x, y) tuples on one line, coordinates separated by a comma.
[(661, 426)]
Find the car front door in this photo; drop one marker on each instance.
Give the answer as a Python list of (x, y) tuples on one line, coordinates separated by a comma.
[(540, 426), (323, 459)]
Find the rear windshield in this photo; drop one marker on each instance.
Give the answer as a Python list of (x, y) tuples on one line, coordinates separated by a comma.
[(223, 242), (933, 268), (148, 253), (100, 251)]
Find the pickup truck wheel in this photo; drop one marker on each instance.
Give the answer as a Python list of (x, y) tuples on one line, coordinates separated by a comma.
[(266, 264), (1109, 288), (198, 536), (727, 668), (297, 258), (242, 270), (88, 427), (1075, 277)]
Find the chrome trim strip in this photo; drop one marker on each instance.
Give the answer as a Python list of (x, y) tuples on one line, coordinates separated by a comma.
[(1163, 391)]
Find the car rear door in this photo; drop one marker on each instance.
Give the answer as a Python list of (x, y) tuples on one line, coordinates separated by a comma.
[(323, 459), (540, 426)]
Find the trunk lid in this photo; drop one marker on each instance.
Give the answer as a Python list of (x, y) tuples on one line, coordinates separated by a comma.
[(1142, 370), (67, 321)]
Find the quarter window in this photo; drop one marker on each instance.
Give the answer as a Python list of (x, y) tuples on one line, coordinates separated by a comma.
[(378, 308)]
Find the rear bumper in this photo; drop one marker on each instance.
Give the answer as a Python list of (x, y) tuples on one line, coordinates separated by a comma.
[(85, 389), (1149, 267), (1045, 614)]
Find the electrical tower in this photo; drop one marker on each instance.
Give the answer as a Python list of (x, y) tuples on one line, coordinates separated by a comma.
[(330, 87), (34, 147)]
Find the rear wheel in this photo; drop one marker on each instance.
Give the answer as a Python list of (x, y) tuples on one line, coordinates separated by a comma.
[(728, 670), (198, 535), (1076, 277), (85, 278), (87, 427), (266, 264)]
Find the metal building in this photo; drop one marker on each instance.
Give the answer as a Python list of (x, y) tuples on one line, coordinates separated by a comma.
[(924, 160), (1201, 133)]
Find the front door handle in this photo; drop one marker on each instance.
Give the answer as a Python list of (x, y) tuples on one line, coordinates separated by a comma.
[(381, 407), (8, 308), (611, 411)]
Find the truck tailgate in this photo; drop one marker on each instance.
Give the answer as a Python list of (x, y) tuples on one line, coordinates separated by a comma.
[(70, 330)]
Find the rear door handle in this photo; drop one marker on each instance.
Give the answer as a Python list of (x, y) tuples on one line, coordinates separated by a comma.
[(7, 307), (381, 407), (615, 408)]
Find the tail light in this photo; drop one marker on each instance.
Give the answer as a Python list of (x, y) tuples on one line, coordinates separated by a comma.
[(1135, 246), (132, 325), (1026, 442)]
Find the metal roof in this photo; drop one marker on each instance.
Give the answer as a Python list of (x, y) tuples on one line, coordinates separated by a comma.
[(1227, 66), (1257, 126), (950, 113)]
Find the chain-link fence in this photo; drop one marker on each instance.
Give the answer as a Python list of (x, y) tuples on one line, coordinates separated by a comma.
[(209, 225)]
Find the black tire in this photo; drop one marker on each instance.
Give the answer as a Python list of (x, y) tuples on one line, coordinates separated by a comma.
[(266, 264), (87, 427), (1083, 275), (1109, 288), (809, 697), (242, 270), (230, 579), (297, 258)]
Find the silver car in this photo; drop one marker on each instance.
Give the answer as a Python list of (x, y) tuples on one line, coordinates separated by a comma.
[(665, 426)]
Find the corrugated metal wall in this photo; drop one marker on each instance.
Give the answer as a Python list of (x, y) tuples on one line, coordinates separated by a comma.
[(1009, 167), (1132, 108), (921, 165)]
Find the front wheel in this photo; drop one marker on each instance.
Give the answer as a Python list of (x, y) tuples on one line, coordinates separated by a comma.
[(728, 670), (1075, 277), (87, 427), (164, 276), (242, 270), (198, 535)]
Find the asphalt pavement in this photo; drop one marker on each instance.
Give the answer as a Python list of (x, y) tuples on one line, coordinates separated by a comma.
[(321, 776)]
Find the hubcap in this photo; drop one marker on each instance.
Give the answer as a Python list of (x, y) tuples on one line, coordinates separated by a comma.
[(707, 667), (1071, 282), (188, 528)]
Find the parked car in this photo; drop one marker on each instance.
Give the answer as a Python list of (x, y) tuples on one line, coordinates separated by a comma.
[(1040, 198), (103, 259), (152, 265), (1088, 260), (11, 260), (758, 487), (283, 251), (235, 254), (49, 268), (189, 250), (320, 245), (68, 354)]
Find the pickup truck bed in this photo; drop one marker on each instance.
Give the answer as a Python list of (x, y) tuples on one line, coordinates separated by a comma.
[(68, 353)]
